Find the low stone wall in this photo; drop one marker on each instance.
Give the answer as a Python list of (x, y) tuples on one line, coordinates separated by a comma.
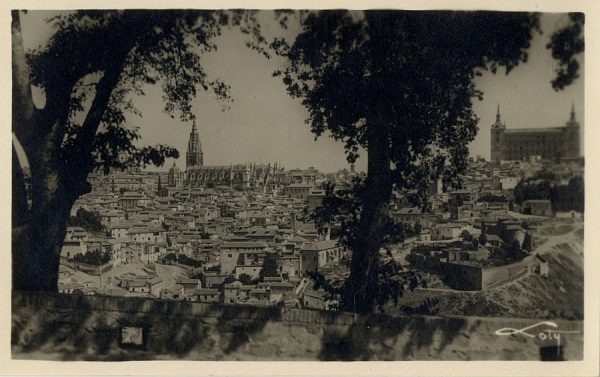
[(89, 269), (474, 278), (69, 327)]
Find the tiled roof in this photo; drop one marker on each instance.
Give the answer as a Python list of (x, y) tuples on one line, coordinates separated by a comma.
[(534, 130), (242, 245), (321, 245)]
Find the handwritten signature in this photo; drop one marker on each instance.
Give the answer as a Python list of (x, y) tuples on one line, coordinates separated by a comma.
[(545, 334)]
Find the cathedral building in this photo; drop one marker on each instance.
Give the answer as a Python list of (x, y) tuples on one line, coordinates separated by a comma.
[(555, 144), (240, 176)]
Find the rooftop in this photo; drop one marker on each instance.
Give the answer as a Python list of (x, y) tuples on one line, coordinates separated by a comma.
[(243, 245), (321, 245), (534, 130)]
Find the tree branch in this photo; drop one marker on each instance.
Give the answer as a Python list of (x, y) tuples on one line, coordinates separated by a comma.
[(22, 102), (82, 163)]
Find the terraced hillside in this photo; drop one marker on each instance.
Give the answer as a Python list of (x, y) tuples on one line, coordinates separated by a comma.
[(560, 295)]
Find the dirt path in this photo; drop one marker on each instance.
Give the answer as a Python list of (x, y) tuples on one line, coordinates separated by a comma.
[(571, 238)]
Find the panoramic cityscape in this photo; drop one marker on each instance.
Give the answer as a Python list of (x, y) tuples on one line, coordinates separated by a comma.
[(124, 251), (242, 233)]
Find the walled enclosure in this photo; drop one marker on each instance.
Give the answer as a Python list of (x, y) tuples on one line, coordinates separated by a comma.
[(68, 327)]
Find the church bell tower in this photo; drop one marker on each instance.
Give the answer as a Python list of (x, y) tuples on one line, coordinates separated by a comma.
[(194, 155), (497, 138), (572, 138)]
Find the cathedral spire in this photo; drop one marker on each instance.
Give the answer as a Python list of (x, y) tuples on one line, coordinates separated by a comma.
[(498, 123), (194, 155)]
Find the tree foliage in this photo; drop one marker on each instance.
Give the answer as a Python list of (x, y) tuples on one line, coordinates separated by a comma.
[(483, 238), (491, 198), (88, 220), (562, 197), (148, 48), (566, 44), (527, 242), (95, 63), (94, 257), (344, 67), (270, 266), (246, 279), (399, 85)]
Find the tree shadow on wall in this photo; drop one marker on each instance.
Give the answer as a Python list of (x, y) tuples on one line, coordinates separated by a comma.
[(61, 327), (380, 337), (240, 323), (70, 328)]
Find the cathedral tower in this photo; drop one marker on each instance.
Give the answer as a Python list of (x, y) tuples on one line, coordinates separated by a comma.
[(497, 138), (572, 140), (194, 155)]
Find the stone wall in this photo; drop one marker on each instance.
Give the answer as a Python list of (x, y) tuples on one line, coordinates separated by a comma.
[(474, 278), (68, 327), (89, 269), (494, 276), (462, 276)]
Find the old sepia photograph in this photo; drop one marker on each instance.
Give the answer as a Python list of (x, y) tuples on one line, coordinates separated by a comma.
[(297, 185)]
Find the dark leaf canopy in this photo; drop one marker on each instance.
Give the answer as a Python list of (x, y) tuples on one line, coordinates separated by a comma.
[(416, 68), (566, 43), (161, 47)]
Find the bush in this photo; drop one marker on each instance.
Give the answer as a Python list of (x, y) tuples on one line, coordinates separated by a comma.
[(270, 266), (182, 259), (88, 220), (247, 279), (563, 197), (96, 257), (491, 198)]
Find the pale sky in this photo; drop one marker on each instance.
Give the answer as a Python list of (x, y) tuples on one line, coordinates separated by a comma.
[(264, 124)]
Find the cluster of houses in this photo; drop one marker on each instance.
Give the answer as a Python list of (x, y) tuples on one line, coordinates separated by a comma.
[(222, 237), (500, 231), (219, 236)]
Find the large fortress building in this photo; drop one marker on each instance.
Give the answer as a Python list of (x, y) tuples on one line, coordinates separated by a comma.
[(555, 144)]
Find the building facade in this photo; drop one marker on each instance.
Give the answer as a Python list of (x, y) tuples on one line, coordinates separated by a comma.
[(523, 143)]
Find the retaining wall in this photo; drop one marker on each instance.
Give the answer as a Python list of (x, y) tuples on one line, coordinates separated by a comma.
[(89, 269), (70, 327), (493, 276), (475, 278)]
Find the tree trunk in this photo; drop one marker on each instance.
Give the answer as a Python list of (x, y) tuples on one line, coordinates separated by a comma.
[(361, 288), (36, 247), (37, 235), (19, 193)]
